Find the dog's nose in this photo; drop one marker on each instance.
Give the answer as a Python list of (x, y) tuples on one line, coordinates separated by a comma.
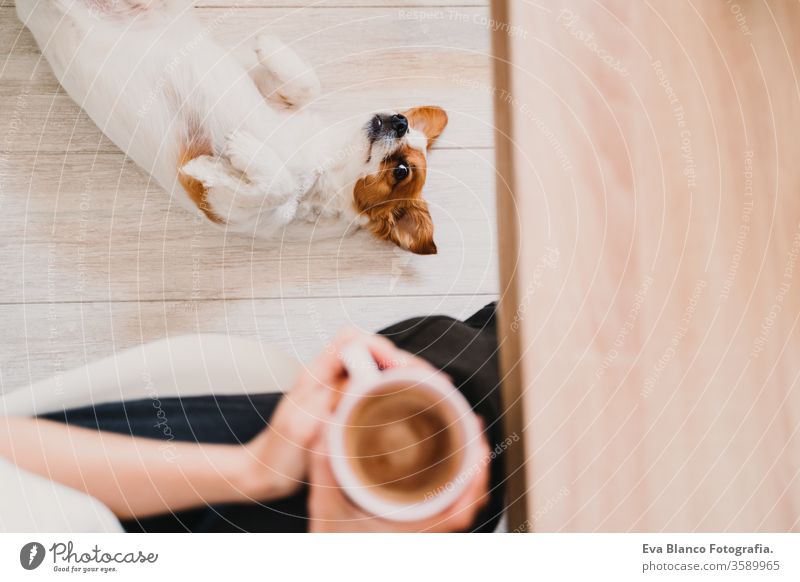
[(399, 124)]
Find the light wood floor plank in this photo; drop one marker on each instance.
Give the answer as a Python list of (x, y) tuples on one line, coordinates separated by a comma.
[(355, 4), (83, 227), (42, 340)]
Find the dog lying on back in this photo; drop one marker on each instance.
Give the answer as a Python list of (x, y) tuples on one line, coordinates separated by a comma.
[(198, 120)]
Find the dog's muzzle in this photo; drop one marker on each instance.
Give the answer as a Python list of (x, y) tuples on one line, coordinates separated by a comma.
[(384, 126)]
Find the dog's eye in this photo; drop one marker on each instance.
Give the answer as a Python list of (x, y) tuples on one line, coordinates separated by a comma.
[(401, 172)]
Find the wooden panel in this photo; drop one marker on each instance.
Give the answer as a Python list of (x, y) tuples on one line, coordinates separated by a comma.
[(394, 58), (103, 232), (508, 244), (46, 339), (653, 295)]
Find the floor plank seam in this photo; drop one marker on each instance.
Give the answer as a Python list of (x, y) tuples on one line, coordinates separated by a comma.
[(242, 299)]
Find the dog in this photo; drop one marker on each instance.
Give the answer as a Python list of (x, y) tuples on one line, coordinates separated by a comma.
[(208, 126)]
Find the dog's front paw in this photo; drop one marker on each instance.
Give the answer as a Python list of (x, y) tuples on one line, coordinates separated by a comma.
[(242, 151), (261, 167)]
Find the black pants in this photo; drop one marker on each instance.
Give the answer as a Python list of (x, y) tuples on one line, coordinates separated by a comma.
[(467, 351)]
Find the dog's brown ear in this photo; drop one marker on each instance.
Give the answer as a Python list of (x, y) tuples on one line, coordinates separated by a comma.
[(413, 230), (429, 120)]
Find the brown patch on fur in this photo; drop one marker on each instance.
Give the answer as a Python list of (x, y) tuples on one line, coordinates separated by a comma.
[(428, 119), (195, 148), (396, 210)]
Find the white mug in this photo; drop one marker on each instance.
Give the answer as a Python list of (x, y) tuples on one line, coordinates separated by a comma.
[(449, 407)]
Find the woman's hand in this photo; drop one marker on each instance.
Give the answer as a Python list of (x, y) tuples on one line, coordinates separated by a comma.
[(292, 451), (279, 456), (331, 511)]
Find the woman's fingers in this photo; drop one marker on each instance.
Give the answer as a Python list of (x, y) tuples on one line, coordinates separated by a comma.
[(389, 356), (320, 471), (329, 508), (329, 367), (461, 514), (385, 353)]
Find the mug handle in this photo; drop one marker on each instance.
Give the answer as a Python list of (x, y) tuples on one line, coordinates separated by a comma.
[(360, 365)]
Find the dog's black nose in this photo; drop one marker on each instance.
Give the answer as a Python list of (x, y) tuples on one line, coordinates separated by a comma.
[(399, 124)]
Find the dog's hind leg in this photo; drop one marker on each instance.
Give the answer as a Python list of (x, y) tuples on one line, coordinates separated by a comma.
[(279, 73), (223, 198)]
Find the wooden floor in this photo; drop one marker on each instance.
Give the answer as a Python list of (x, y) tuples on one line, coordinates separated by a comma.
[(95, 260)]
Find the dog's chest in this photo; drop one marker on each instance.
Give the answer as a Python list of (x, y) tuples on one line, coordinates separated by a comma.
[(322, 201), (315, 208)]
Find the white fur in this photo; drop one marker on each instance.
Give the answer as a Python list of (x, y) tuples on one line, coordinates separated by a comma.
[(147, 70)]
